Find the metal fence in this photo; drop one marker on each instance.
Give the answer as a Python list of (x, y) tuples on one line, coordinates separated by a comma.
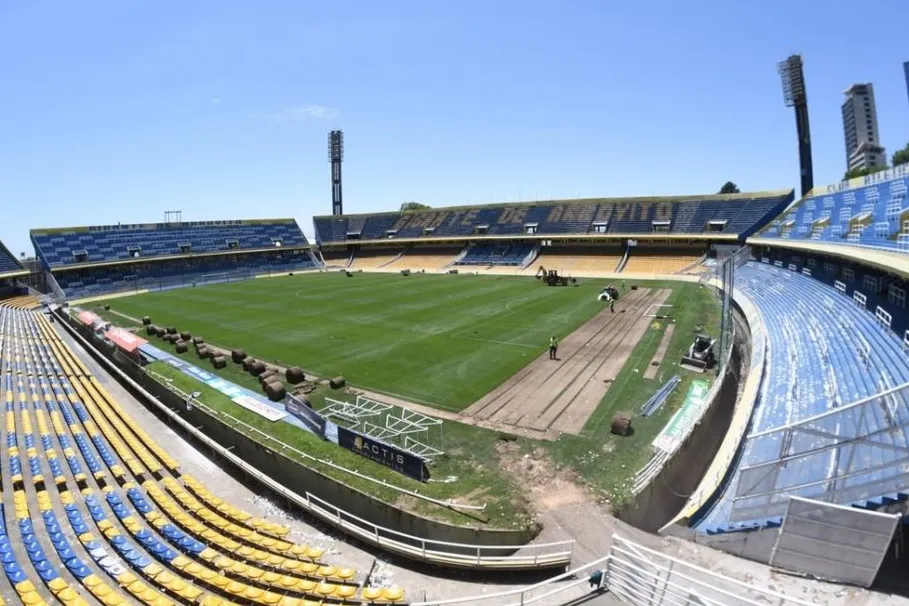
[(833, 542), (849, 454), (637, 575)]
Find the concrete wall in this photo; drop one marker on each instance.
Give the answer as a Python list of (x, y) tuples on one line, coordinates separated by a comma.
[(665, 496), (302, 479)]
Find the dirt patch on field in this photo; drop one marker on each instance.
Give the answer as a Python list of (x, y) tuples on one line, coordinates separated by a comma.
[(549, 397), (547, 486)]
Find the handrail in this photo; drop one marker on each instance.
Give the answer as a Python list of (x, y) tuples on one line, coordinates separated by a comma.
[(415, 549), (664, 581), (287, 447)]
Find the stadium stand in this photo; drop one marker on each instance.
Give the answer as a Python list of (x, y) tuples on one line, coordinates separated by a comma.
[(869, 211), (425, 258), (100, 260), (661, 260), (577, 259), (374, 258), (824, 353), (736, 215), (192, 548), (496, 253)]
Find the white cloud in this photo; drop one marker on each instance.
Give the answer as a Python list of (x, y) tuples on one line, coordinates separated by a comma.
[(302, 112)]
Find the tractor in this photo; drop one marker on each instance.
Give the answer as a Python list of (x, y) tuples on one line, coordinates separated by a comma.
[(700, 355), (551, 277)]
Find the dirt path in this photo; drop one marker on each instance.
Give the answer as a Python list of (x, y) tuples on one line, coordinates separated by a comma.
[(657, 360), (550, 397)]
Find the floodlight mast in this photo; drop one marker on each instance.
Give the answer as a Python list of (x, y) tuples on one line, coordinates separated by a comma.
[(336, 156), (792, 75)]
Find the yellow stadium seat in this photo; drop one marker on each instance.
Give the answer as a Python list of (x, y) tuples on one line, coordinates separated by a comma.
[(56, 585), (325, 589), (371, 593), (345, 591), (393, 594)]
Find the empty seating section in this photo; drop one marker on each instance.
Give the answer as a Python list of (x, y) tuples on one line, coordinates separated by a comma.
[(425, 258), (660, 261), (871, 215), (78, 245), (101, 510), (493, 253), (174, 273), (374, 259), (8, 263), (577, 260), (737, 215), (824, 353)]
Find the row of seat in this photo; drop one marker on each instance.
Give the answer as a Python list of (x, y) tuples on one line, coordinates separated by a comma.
[(176, 273), (824, 353), (739, 216), (203, 549), (870, 215), (104, 243)]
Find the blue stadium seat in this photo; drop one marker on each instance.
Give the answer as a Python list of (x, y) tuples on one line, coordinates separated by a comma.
[(824, 353), (740, 215), (875, 215)]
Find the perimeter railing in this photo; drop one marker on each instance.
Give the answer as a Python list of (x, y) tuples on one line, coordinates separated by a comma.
[(636, 575)]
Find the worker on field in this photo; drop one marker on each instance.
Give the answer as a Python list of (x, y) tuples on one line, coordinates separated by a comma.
[(623, 285), (611, 305), (553, 347)]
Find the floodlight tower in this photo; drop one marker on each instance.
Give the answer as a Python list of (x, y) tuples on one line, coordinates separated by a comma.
[(336, 156), (793, 77)]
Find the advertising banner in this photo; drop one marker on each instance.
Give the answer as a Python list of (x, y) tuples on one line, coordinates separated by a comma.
[(686, 416), (313, 420), (386, 454)]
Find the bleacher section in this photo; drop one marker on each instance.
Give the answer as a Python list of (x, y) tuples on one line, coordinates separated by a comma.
[(493, 253), (9, 266), (737, 215), (96, 261), (858, 214), (374, 259), (577, 260), (99, 511), (425, 258), (60, 247), (176, 273), (658, 260), (825, 352)]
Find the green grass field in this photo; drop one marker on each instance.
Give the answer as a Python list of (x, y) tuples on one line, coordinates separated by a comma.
[(434, 339), (444, 341)]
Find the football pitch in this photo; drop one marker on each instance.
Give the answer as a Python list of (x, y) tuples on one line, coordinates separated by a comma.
[(439, 340), (447, 341)]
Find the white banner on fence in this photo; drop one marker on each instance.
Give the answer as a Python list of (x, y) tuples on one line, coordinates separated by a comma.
[(263, 410)]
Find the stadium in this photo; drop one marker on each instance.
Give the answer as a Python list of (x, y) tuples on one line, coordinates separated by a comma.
[(680, 400), (729, 369)]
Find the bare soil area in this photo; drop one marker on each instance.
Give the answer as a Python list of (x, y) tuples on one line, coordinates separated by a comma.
[(550, 397)]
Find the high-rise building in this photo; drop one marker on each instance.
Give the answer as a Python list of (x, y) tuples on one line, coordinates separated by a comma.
[(863, 149)]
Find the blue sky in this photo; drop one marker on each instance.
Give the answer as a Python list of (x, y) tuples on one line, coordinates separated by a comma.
[(119, 111)]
